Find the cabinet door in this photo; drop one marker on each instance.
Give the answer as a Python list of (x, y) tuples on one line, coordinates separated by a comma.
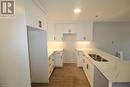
[(58, 59), (34, 15), (51, 64), (69, 28), (90, 71), (79, 59), (55, 32), (84, 63), (84, 31), (59, 32), (51, 32)]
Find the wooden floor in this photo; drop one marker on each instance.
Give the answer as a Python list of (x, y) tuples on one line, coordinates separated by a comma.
[(69, 76)]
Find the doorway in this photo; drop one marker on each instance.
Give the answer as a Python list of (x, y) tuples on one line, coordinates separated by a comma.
[(69, 48)]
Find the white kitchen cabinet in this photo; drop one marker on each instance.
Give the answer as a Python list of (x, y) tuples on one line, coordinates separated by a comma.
[(51, 32), (69, 28), (84, 31), (59, 29), (84, 64), (55, 60), (58, 59), (90, 71), (87, 65), (79, 58), (34, 14), (51, 64), (55, 32), (88, 68)]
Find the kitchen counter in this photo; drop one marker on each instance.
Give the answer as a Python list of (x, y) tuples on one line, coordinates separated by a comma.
[(52, 62), (50, 51), (115, 70)]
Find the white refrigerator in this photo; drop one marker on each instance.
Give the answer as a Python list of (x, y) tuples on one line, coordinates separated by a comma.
[(38, 55)]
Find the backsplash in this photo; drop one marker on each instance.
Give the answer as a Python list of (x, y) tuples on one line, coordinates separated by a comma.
[(60, 44), (55, 44), (86, 44)]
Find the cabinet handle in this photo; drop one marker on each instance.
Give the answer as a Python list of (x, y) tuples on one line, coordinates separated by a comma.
[(87, 66)]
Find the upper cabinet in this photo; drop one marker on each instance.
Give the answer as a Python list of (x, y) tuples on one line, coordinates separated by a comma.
[(84, 31), (35, 16), (55, 32), (59, 30), (51, 32), (69, 28)]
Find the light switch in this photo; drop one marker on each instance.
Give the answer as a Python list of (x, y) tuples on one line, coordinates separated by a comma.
[(40, 23), (84, 38)]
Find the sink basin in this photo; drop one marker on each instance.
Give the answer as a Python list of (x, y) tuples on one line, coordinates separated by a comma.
[(97, 58)]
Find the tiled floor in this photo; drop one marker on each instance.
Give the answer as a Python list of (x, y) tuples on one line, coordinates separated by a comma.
[(69, 76)]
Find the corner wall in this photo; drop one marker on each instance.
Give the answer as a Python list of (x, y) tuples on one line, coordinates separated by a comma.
[(14, 61), (112, 37)]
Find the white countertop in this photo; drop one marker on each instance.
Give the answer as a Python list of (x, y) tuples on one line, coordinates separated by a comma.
[(50, 51), (116, 70)]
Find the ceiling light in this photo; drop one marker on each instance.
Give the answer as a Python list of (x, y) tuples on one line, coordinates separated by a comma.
[(77, 10)]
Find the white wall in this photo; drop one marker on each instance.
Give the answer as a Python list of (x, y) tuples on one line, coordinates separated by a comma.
[(34, 13), (55, 45), (112, 37), (125, 37), (14, 61)]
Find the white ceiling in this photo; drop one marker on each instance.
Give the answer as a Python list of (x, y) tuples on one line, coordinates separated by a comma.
[(107, 10)]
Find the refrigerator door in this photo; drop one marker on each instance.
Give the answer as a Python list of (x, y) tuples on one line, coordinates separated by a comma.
[(38, 56)]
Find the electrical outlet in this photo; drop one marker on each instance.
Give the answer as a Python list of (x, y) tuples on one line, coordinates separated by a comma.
[(113, 42)]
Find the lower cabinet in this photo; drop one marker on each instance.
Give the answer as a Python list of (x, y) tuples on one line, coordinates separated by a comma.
[(90, 71), (84, 63), (79, 58), (55, 60), (94, 75), (99, 79), (88, 67), (51, 64), (58, 59)]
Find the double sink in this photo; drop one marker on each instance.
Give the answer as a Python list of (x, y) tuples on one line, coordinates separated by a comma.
[(97, 58)]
